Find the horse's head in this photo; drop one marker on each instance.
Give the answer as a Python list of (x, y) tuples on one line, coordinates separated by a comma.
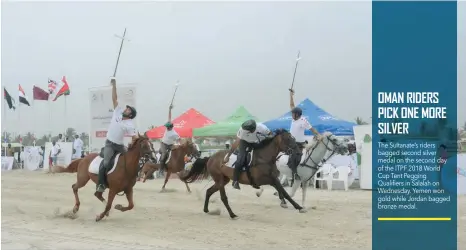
[(285, 141), (190, 148), (142, 144), (329, 145)]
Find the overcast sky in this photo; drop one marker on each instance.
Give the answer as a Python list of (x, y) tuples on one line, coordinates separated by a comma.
[(224, 54)]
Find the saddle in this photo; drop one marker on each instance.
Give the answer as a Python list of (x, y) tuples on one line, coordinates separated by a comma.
[(110, 164), (246, 164)]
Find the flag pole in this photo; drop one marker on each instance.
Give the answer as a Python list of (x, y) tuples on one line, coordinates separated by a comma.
[(19, 118), (50, 121), (66, 116), (4, 130)]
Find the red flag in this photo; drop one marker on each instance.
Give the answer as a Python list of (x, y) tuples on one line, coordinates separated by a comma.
[(64, 89), (40, 94)]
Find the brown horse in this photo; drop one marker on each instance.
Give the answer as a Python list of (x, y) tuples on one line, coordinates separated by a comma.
[(122, 179), (263, 169), (175, 164)]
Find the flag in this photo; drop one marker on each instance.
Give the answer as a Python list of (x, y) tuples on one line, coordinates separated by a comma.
[(10, 101), (40, 94), (52, 86), (22, 96), (63, 90)]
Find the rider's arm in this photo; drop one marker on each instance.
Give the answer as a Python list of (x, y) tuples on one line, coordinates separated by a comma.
[(291, 100), (114, 93)]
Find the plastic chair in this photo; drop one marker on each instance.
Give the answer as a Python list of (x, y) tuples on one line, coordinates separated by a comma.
[(343, 175), (326, 172)]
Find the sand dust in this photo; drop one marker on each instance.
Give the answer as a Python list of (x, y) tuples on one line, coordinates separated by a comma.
[(35, 208)]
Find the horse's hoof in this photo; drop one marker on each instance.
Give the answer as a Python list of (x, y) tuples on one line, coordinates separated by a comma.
[(75, 210), (98, 218), (283, 205), (206, 211), (163, 190), (234, 217), (302, 210), (118, 207)]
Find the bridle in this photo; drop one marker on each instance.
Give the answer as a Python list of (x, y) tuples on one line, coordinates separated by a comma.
[(316, 165)]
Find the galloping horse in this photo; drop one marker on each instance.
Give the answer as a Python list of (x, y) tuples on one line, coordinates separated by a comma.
[(314, 153), (263, 169), (175, 162), (121, 178)]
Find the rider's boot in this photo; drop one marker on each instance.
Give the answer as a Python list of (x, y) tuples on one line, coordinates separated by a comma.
[(236, 174), (294, 163), (101, 182)]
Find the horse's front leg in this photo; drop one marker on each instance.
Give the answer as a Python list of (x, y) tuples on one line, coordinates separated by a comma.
[(167, 176), (282, 200), (111, 197), (281, 191), (129, 197)]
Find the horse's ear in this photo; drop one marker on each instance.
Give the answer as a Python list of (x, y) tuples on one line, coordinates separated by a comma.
[(139, 135), (145, 135)]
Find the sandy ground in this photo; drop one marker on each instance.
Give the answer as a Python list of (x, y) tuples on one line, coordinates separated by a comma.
[(33, 205)]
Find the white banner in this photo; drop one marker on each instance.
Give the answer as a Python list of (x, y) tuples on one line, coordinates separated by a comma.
[(101, 105), (32, 158), (363, 139), (7, 163)]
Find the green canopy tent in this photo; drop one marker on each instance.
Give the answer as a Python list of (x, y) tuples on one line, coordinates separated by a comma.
[(227, 127)]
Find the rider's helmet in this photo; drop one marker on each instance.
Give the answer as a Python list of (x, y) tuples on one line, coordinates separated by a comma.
[(169, 125), (249, 125), (133, 112), (297, 111)]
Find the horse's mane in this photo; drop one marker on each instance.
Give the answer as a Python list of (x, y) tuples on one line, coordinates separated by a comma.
[(135, 142)]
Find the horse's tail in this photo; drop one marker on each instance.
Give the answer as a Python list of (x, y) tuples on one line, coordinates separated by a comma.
[(197, 171), (71, 168)]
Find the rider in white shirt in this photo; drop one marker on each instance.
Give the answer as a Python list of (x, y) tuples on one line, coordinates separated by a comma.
[(169, 139), (249, 135), (77, 147), (121, 124), (298, 127)]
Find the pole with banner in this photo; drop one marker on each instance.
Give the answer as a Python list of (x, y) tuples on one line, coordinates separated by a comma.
[(123, 38)]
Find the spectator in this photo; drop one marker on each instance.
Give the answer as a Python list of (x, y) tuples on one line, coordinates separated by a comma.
[(60, 138), (77, 147), (54, 152), (10, 151)]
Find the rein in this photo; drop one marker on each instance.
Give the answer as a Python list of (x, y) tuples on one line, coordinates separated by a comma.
[(316, 164)]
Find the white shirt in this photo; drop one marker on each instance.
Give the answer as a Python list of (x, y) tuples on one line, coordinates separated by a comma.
[(119, 127), (255, 137), (78, 144), (298, 127), (170, 137), (55, 149)]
